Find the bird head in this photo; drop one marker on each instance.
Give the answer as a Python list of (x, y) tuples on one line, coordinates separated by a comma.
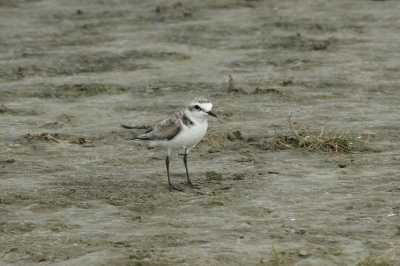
[(201, 107)]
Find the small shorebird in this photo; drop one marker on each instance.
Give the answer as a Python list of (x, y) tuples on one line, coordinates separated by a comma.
[(184, 129)]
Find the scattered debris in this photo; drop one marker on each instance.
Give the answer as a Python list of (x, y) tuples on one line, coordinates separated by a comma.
[(388, 258), (398, 231), (66, 118), (15, 146), (304, 253), (245, 160), (212, 175), (238, 135), (88, 145), (238, 176), (4, 109), (57, 138), (136, 127), (8, 161), (230, 137), (174, 11), (53, 125), (287, 82), (323, 45), (231, 87), (260, 91)]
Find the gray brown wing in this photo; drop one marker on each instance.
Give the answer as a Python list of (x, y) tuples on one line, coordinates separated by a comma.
[(166, 130)]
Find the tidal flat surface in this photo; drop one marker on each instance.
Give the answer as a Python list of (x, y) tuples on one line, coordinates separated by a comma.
[(83, 194)]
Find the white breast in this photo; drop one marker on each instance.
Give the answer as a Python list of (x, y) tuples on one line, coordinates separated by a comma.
[(189, 136)]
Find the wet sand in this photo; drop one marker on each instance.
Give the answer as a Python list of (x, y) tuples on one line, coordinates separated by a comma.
[(80, 69)]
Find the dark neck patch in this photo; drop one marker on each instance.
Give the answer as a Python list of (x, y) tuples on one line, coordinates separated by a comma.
[(186, 121)]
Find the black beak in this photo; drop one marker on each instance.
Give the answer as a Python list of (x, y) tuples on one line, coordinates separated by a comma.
[(211, 113)]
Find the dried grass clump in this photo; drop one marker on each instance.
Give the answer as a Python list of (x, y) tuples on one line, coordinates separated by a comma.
[(388, 258), (337, 141)]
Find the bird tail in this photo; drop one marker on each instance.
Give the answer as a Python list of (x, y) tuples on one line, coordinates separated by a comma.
[(141, 137)]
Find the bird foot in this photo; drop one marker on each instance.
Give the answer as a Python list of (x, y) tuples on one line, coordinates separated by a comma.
[(193, 185), (171, 187)]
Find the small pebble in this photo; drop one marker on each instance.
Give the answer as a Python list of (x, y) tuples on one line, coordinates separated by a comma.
[(304, 253)]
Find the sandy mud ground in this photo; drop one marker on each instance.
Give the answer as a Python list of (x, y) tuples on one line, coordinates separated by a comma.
[(80, 69)]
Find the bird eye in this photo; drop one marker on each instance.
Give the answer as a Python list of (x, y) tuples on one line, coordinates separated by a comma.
[(197, 107)]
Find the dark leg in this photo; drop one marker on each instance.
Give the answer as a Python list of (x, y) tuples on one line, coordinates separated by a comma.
[(187, 172), (170, 186)]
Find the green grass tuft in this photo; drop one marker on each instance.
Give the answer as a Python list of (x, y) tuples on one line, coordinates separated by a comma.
[(278, 260)]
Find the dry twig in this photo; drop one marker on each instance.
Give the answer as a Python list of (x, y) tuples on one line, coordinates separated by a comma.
[(56, 138), (294, 131)]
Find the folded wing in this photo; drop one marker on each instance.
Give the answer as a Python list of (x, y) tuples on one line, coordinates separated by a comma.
[(166, 130)]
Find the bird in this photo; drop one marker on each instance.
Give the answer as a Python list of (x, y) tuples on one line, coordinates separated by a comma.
[(184, 129)]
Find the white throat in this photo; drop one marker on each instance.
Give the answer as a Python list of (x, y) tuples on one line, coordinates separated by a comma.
[(196, 117)]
